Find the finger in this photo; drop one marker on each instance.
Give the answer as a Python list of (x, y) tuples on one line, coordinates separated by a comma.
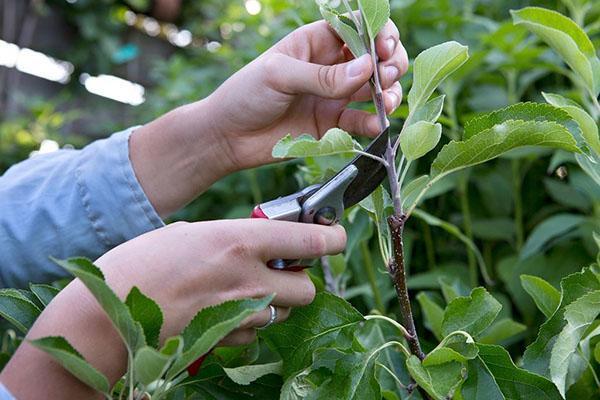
[(387, 40), (239, 337), (362, 94), (391, 70), (292, 289), (392, 98), (293, 240), (359, 122), (263, 317), (292, 76)]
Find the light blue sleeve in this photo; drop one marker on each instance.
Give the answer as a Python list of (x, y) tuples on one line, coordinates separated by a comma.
[(5, 394), (69, 203)]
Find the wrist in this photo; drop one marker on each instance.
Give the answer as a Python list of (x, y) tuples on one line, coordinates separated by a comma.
[(178, 156)]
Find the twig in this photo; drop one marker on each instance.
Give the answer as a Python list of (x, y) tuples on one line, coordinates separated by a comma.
[(328, 276), (396, 266), (391, 321), (373, 156)]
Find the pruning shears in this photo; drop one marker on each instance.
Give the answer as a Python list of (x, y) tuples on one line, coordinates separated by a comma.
[(324, 203)]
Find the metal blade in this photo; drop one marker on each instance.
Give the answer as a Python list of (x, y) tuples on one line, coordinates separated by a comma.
[(370, 172)]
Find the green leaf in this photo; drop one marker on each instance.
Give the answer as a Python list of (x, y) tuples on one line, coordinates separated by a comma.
[(501, 330), (353, 378), (579, 315), (419, 139), (538, 112), (335, 141), (145, 311), (150, 364), (44, 293), (457, 346), (471, 314), (453, 288), (17, 309), (131, 331), (537, 355), (210, 325), (567, 39), (345, 30), (325, 321), (586, 123), (377, 204), (495, 141), (431, 111), (375, 14), (545, 296), (440, 381), (514, 382), (591, 166), (431, 67), (247, 374), (551, 228), (433, 314), (63, 353), (480, 383)]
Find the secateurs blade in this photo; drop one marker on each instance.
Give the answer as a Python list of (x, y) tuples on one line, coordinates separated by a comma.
[(325, 203)]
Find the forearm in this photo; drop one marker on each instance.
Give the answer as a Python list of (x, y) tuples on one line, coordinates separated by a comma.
[(178, 156), (74, 314)]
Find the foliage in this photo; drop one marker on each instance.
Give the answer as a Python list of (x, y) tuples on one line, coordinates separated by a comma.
[(504, 188)]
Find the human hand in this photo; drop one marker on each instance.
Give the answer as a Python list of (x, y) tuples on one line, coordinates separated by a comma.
[(303, 85), (184, 267)]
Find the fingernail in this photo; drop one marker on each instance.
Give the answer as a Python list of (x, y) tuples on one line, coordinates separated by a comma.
[(358, 66), (391, 45), (391, 73)]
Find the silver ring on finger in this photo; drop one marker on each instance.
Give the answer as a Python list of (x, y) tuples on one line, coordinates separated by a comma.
[(272, 317)]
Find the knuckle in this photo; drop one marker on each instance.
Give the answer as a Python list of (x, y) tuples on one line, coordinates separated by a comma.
[(308, 292), (241, 250), (327, 78), (316, 243), (271, 65)]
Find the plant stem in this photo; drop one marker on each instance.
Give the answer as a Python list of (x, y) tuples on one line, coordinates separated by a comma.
[(396, 266), (370, 270), (467, 225), (377, 92), (328, 276), (516, 180), (397, 270)]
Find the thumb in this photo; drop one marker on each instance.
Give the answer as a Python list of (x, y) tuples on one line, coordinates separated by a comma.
[(337, 81)]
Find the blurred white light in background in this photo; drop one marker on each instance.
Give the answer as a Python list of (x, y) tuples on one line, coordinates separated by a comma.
[(47, 146), (35, 63), (213, 46), (183, 38), (238, 26), (114, 88), (130, 17), (253, 7), (8, 54), (151, 26), (39, 64)]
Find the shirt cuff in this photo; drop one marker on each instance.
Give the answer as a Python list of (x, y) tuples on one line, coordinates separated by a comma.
[(5, 394), (112, 197)]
